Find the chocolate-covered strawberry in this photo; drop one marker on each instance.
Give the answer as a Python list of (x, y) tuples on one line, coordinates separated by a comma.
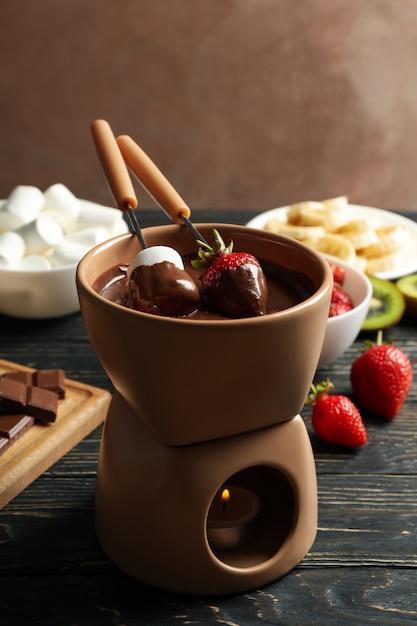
[(233, 283)]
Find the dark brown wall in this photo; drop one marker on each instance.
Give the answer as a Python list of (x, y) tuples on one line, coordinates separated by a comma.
[(242, 103)]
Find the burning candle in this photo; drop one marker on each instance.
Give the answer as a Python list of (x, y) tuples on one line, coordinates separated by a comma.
[(232, 518)]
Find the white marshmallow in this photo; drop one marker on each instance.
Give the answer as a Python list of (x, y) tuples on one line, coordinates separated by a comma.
[(64, 206), (33, 263), (40, 234), (93, 214), (89, 237), (156, 254), (9, 221), (12, 249), (26, 202), (67, 253)]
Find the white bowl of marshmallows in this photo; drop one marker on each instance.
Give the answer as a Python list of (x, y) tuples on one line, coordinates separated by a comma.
[(43, 236)]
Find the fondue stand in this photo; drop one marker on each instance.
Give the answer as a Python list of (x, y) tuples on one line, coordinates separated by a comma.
[(160, 515), (202, 493), (171, 447)]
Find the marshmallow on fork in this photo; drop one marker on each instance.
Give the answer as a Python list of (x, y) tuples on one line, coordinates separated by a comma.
[(155, 254), (155, 290)]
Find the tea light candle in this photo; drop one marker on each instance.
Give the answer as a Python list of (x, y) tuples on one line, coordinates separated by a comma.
[(232, 518)]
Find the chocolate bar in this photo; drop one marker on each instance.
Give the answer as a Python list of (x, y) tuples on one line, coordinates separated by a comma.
[(16, 397), (13, 395), (42, 404), (27, 396), (15, 424), (51, 379), (12, 426)]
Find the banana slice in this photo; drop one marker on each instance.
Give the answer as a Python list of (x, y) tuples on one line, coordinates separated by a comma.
[(301, 212), (335, 245), (337, 213), (360, 263), (330, 214), (361, 238), (335, 204), (292, 230), (353, 225), (384, 263), (389, 240)]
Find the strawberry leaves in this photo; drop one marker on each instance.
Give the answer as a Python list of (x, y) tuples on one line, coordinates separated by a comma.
[(207, 253)]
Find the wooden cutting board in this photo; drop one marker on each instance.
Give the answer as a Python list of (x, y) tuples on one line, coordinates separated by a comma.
[(79, 413)]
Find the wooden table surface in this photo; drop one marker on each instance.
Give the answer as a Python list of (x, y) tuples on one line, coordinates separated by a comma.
[(362, 568)]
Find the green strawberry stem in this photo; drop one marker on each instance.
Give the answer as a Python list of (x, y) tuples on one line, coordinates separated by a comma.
[(208, 253), (379, 341), (317, 391)]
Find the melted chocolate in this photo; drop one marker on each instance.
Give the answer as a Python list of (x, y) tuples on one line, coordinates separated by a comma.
[(285, 288)]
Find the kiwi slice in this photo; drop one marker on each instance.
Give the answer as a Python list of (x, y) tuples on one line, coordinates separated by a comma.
[(386, 307), (408, 287)]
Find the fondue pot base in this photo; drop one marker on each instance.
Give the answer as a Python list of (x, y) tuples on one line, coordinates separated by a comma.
[(153, 504)]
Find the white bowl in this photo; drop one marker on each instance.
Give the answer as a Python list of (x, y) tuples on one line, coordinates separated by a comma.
[(38, 294), (342, 330), (51, 292)]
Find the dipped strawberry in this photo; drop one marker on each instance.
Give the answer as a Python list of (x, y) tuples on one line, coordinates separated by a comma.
[(381, 378), (233, 283), (160, 285), (335, 418)]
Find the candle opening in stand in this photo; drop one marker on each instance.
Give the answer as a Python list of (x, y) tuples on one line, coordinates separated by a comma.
[(233, 517)]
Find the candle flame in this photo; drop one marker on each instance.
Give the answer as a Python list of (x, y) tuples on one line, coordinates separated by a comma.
[(225, 499), (225, 495)]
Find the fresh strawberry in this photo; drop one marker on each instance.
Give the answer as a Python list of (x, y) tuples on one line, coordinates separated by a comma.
[(340, 302), (233, 282), (381, 378), (335, 418), (338, 273)]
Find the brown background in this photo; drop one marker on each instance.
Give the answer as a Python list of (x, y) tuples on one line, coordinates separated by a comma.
[(242, 103)]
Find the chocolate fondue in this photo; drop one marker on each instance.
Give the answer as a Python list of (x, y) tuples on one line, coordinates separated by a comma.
[(285, 288)]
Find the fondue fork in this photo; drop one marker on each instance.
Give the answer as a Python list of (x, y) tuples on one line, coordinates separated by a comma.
[(116, 173), (155, 183)]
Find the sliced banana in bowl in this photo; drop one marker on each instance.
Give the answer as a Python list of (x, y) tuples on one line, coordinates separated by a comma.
[(379, 242)]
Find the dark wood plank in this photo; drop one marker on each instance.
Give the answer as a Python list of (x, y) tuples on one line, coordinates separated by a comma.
[(318, 597), (363, 519)]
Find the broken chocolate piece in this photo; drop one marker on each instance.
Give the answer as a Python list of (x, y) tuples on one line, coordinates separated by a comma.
[(13, 395), (42, 404), (22, 377), (51, 379), (15, 424)]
